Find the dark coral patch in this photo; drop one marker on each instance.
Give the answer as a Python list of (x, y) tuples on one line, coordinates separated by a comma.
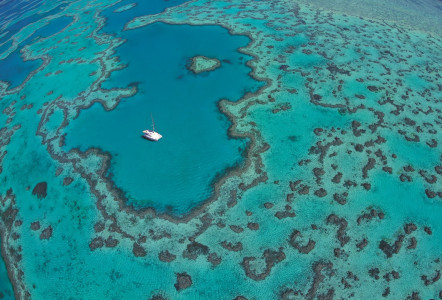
[(99, 226), (388, 249), (46, 234), (194, 250), (166, 256), (96, 243), (342, 223), (67, 181), (138, 251), (305, 249), (271, 258), (110, 242), (232, 247), (253, 226), (35, 225), (40, 190), (183, 281), (214, 259)]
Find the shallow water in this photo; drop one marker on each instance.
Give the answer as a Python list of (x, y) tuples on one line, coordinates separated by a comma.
[(338, 195), (5, 285)]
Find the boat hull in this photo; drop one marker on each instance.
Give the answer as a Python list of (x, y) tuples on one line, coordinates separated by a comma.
[(152, 135)]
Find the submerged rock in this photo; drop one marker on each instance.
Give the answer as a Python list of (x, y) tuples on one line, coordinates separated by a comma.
[(306, 248), (166, 256), (183, 281), (40, 190), (138, 251), (46, 234), (35, 225), (110, 242), (96, 243), (195, 249)]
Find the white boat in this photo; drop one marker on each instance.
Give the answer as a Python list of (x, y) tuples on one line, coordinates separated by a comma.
[(152, 134)]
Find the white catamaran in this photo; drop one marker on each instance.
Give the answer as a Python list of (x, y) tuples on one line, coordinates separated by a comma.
[(151, 134)]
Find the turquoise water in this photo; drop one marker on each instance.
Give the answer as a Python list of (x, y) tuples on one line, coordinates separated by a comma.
[(195, 148), (6, 291), (337, 195)]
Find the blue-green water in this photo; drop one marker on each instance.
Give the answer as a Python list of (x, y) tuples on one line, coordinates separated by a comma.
[(115, 20), (54, 26), (338, 195), (195, 148), (6, 291), (15, 70), (15, 27)]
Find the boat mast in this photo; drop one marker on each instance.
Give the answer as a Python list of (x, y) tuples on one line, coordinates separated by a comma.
[(153, 124)]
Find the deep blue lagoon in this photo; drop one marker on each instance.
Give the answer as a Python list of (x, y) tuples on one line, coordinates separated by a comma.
[(175, 175), (15, 70)]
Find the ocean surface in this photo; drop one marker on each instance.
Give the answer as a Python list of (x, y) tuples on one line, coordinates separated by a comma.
[(185, 111), (304, 163)]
